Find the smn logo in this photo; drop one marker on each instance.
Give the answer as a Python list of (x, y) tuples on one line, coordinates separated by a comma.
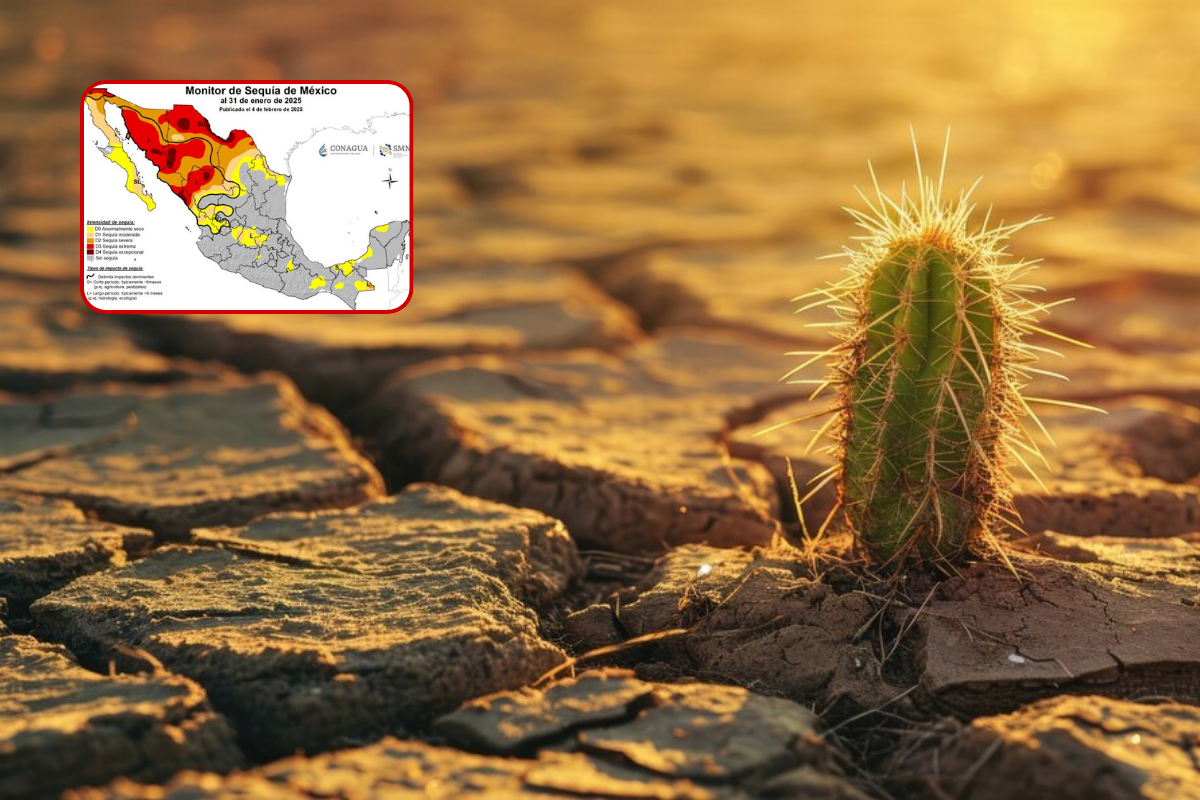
[(385, 150)]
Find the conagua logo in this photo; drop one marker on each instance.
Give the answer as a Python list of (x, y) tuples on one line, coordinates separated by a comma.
[(344, 150)]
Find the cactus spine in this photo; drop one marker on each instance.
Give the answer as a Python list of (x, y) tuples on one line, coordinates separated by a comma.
[(929, 372)]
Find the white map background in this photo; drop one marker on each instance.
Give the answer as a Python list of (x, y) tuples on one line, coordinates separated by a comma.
[(332, 202)]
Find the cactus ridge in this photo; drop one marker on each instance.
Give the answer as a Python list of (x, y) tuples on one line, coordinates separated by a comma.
[(928, 371)]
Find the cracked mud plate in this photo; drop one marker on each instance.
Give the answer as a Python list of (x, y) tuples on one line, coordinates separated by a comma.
[(604, 735), (625, 450), (188, 456), (63, 726), (312, 631)]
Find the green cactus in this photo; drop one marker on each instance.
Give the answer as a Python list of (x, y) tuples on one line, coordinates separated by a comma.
[(918, 437), (929, 372)]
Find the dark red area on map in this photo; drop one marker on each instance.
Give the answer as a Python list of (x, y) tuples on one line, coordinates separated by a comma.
[(169, 156), (177, 152), (186, 119), (197, 179), (145, 135)]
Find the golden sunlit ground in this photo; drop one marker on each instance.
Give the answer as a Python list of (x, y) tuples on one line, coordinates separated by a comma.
[(613, 204)]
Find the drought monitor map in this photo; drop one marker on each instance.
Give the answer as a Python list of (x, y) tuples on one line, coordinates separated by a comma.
[(282, 197)]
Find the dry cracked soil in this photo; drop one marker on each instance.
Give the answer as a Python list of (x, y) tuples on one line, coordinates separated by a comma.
[(535, 536)]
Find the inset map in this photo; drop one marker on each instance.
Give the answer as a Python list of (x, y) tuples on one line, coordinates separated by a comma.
[(222, 150)]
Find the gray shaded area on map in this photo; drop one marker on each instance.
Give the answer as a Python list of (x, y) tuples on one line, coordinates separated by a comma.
[(385, 246), (270, 198), (296, 283), (349, 291), (262, 211)]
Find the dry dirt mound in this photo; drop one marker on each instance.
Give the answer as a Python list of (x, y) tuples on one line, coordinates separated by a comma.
[(752, 620)]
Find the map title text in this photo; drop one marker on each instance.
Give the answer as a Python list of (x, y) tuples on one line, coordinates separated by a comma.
[(249, 89)]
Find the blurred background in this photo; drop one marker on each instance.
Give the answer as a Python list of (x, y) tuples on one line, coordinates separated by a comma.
[(596, 134)]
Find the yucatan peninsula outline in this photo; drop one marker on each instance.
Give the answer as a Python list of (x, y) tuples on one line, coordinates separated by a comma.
[(237, 199)]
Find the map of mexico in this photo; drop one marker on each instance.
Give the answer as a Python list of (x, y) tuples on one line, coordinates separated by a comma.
[(237, 197)]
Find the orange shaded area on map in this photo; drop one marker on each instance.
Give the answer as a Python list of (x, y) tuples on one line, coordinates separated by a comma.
[(191, 159)]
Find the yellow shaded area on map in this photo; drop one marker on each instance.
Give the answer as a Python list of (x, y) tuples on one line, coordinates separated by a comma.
[(338, 285), (118, 156), (348, 266), (363, 286), (256, 161), (248, 236), (230, 190), (290, 265), (317, 283), (382, 228), (208, 216)]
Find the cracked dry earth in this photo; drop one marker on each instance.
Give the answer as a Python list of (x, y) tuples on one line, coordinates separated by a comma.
[(522, 540)]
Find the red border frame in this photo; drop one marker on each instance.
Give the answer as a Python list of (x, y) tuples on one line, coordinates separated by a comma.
[(83, 227)]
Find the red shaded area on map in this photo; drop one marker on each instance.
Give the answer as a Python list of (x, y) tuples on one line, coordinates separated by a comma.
[(180, 142)]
